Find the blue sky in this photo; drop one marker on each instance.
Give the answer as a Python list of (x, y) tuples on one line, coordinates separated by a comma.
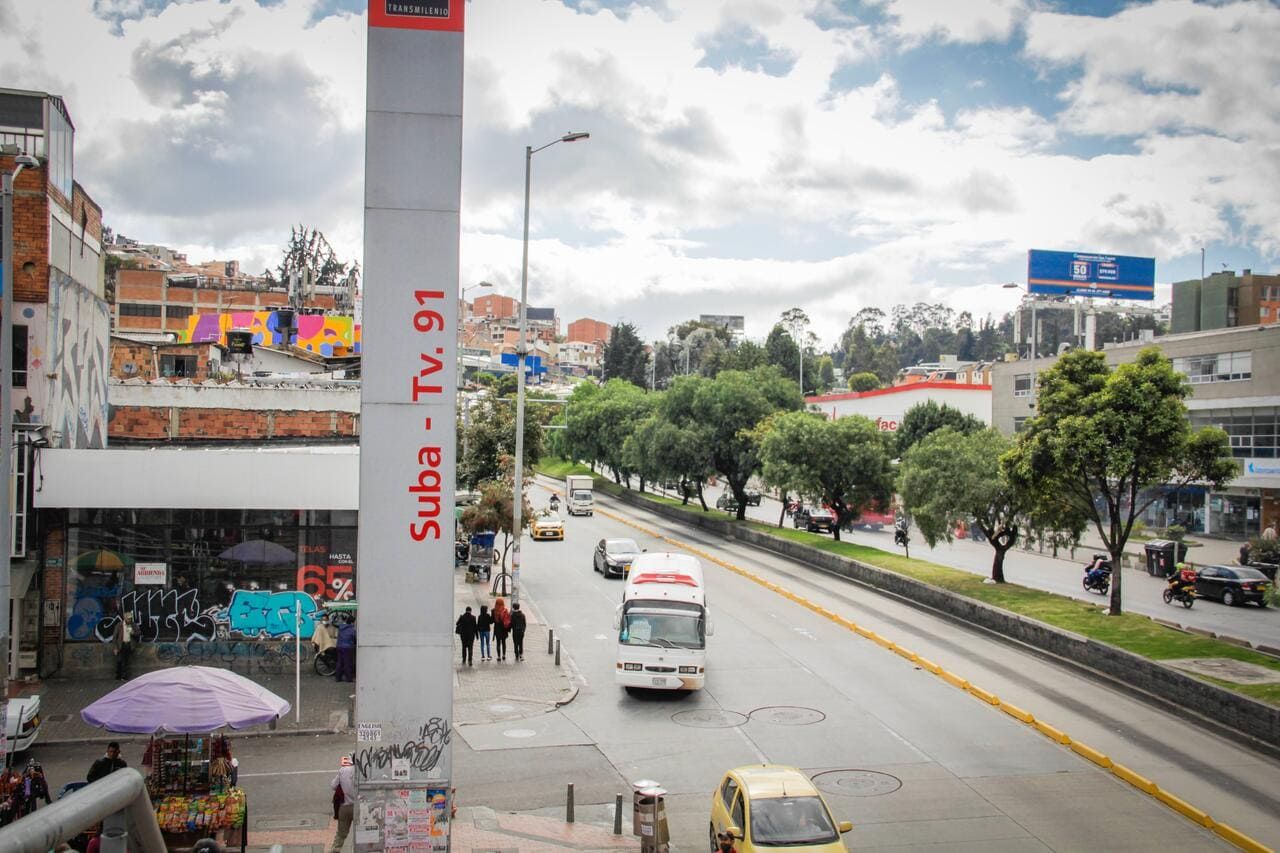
[(745, 155)]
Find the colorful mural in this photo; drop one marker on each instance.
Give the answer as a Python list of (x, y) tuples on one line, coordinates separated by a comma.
[(317, 333), (78, 359)]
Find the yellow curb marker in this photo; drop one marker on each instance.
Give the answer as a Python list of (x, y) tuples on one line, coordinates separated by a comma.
[(1141, 783)]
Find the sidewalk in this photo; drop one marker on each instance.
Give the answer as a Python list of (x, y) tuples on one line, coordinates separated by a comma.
[(488, 692)]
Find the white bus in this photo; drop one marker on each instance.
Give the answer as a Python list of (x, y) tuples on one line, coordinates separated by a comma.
[(663, 624)]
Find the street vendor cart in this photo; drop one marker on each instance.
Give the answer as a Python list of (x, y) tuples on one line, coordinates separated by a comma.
[(191, 774)]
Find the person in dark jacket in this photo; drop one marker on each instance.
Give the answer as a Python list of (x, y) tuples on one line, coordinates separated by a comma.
[(484, 624), (501, 627), (466, 631), (346, 648), (107, 764), (518, 624), (33, 788)]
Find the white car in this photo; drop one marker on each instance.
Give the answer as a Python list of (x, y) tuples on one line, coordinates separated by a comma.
[(22, 723)]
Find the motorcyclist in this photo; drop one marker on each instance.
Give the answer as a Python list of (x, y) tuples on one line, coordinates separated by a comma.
[(1183, 578), (554, 503), (900, 532), (1098, 568)]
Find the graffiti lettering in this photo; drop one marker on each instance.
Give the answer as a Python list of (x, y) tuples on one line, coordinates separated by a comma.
[(245, 655), (157, 613), (423, 752), (259, 613)]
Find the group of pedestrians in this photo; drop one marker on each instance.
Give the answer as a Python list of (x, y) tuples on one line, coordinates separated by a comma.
[(499, 623)]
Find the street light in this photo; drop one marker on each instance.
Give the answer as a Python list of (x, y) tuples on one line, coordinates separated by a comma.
[(21, 161), (462, 311), (522, 351)]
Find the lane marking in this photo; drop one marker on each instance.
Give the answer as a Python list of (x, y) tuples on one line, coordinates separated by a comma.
[(1138, 783)]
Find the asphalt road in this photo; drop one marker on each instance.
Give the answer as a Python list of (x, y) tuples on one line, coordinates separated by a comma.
[(1142, 593), (787, 685), (930, 767)]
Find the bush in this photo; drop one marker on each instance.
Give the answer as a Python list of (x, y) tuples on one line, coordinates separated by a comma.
[(1176, 532), (864, 382)]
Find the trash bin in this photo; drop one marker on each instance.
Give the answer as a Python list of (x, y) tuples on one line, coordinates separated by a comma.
[(1163, 555), (649, 815)]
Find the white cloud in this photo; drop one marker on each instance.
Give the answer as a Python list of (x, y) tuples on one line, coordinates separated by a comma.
[(955, 20)]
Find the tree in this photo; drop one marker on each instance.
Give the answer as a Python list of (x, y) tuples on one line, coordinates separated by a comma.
[(843, 464), (494, 509), (625, 356), (1108, 442), (597, 423), (864, 382), (683, 444), (952, 476), (781, 351), (490, 437), (730, 406), (924, 418), (309, 253), (826, 374)]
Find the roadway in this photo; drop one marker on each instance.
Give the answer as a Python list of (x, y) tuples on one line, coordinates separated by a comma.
[(915, 763), (1061, 575)]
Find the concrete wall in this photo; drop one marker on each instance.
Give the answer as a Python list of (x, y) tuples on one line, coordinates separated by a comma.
[(1227, 709)]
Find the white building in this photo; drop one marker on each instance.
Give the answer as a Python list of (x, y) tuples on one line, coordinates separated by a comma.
[(887, 406)]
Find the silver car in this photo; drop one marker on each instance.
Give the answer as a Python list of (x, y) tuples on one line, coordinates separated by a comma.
[(613, 556)]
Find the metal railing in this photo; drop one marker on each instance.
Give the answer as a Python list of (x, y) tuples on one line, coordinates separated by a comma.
[(118, 801)]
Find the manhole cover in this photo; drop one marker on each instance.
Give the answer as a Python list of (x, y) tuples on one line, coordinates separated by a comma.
[(857, 783), (709, 718), (519, 733), (788, 715), (285, 822), (57, 718)]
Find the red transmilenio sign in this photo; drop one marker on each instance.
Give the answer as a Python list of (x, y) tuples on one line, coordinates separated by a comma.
[(443, 15)]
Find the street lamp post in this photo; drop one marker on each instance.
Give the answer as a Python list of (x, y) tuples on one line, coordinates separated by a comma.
[(522, 351), (21, 161)]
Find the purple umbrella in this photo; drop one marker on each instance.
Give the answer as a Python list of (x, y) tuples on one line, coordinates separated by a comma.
[(185, 699)]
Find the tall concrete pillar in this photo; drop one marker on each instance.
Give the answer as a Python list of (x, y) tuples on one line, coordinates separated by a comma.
[(413, 171)]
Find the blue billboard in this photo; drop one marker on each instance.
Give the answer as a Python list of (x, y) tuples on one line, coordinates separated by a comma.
[(532, 363), (1087, 274)]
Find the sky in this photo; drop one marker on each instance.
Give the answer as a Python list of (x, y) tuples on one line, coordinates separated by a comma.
[(746, 156)]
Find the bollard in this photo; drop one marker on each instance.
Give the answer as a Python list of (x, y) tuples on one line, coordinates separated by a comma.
[(568, 805), (557, 652), (550, 639), (617, 814)]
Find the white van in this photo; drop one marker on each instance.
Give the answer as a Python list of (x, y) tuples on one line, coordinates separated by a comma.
[(663, 624)]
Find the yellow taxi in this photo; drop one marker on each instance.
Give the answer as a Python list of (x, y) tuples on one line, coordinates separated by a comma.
[(773, 808), (547, 525)]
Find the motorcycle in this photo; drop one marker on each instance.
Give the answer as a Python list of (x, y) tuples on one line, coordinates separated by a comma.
[(1183, 593), (900, 537), (1097, 575)]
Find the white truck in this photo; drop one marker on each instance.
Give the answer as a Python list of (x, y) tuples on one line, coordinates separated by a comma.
[(577, 495), (663, 624)]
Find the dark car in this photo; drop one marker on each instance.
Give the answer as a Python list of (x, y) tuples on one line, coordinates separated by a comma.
[(753, 497), (613, 556), (1232, 585), (815, 519)]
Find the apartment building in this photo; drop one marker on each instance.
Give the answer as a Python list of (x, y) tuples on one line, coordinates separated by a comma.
[(1224, 300)]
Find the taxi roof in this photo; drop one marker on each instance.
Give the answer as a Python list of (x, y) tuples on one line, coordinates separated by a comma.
[(774, 780)]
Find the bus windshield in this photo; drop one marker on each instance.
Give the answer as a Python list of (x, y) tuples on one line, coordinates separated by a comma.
[(668, 629)]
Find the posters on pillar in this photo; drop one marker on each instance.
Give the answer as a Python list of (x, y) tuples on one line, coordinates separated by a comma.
[(410, 820)]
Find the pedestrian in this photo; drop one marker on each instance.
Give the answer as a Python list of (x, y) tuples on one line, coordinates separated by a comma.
[(518, 624), (345, 784), (33, 788), (346, 650), (465, 628), (501, 627), (107, 764), (1270, 533), (122, 645), (484, 625), (724, 843)]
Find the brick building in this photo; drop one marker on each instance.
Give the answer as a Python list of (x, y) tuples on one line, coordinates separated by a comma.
[(588, 331)]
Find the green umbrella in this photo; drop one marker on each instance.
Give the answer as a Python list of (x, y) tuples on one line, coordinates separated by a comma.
[(103, 560)]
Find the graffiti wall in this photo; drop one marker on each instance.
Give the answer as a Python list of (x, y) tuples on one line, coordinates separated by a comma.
[(317, 333), (178, 614), (76, 356)]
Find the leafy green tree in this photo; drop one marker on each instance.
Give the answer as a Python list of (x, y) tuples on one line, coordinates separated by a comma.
[(781, 351), (494, 509), (843, 463), (598, 422), (864, 382), (826, 374), (952, 476), (489, 433), (684, 442), (924, 418), (730, 406), (1107, 442), (625, 356)]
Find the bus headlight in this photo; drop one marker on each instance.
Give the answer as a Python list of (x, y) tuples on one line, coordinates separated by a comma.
[(688, 670), (632, 667)]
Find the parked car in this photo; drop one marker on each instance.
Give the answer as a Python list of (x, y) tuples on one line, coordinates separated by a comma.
[(815, 519), (23, 722), (727, 502), (753, 497), (768, 807), (547, 525), (1232, 585), (613, 556)]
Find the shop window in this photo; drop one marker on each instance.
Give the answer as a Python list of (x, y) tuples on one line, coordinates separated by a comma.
[(182, 366)]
